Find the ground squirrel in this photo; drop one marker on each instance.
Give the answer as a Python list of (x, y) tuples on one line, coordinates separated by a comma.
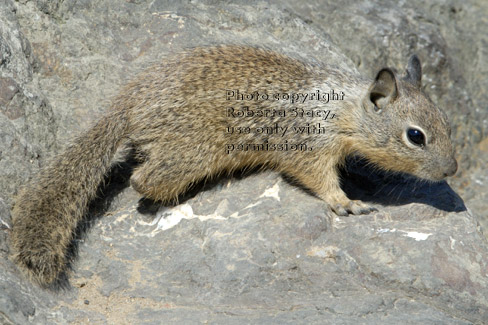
[(195, 116)]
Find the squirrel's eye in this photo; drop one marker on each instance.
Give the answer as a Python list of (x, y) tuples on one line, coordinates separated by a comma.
[(416, 137)]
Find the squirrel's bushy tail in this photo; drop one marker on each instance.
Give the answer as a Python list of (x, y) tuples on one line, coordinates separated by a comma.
[(46, 211)]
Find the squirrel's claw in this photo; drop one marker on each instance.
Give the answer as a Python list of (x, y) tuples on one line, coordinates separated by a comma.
[(355, 207)]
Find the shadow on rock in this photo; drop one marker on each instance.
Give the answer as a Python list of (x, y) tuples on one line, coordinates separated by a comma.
[(363, 182), (116, 180)]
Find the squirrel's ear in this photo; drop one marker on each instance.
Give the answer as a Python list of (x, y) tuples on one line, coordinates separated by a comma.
[(414, 71), (384, 89)]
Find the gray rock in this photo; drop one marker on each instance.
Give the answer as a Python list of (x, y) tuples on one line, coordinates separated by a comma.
[(27, 128), (253, 249)]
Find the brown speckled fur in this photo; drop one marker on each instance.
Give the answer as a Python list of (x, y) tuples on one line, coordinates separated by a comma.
[(174, 116)]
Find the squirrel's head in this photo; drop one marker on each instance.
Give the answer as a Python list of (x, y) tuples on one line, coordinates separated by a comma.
[(403, 130)]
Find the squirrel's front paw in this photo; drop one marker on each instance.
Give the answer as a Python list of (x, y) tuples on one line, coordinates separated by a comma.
[(351, 206)]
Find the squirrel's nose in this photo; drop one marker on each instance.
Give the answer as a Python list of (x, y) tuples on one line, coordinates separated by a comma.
[(452, 168)]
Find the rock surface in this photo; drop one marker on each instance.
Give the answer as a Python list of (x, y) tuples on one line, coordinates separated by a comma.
[(255, 249)]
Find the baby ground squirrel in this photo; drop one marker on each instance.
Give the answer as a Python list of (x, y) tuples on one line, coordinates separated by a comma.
[(182, 119)]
